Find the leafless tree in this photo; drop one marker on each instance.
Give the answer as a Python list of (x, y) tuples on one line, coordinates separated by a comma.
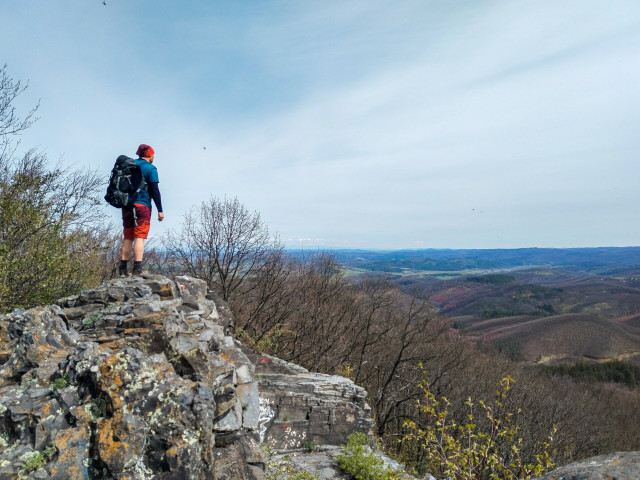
[(223, 243), (267, 298), (11, 123)]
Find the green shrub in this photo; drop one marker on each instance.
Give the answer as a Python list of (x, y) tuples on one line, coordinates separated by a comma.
[(58, 383), (91, 321), (471, 452), (50, 240), (37, 460), (357, 459), (310, 446)]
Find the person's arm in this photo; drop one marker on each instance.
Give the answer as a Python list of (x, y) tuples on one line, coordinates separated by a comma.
[(154, 193)]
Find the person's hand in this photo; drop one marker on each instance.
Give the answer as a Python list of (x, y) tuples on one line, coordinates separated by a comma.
[(160, 216)]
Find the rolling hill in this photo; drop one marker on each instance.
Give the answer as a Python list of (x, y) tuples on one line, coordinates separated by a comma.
[(548, 306), (567, 320)]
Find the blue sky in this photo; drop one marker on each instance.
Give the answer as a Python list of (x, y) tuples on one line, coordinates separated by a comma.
[(353, 124)]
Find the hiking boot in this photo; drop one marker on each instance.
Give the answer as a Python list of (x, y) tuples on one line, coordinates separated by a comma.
[(137, 271), (122, 271)]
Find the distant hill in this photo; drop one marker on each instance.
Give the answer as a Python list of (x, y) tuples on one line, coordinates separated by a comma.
[(498, 295), (560, 338), (541, 305), (561, 318), (591, 260)]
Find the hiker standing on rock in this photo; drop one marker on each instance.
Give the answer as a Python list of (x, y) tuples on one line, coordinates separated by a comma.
[(137, 220)]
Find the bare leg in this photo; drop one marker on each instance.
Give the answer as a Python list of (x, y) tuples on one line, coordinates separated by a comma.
[(125, 251), (138, 249)]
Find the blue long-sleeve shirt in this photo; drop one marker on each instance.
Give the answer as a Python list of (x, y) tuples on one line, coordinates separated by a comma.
[(152, 191)]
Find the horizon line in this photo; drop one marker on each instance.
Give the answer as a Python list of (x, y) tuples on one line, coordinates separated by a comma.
[(420, 249)]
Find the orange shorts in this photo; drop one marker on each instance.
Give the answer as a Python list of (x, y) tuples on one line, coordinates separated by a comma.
[(136, 222)]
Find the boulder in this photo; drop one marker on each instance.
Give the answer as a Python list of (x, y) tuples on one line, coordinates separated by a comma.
[(614, 466)]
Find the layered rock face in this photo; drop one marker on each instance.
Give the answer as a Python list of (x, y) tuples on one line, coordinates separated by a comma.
[(140, 379), (300, 409)]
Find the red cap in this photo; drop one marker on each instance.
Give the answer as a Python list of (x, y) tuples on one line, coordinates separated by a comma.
[(145, 151)]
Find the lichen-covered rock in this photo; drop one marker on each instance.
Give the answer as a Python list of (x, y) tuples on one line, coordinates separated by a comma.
[(132, 380), (73, 458), (616, 466), (322, 462), (36, 339), (299, 408), (251, 466)]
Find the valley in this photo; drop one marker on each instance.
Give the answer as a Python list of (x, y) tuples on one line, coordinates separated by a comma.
[(541, 306)]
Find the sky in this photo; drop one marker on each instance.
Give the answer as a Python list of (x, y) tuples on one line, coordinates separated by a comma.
[(352, 123)]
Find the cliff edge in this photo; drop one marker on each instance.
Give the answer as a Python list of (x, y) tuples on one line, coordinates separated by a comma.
[(141, 379)]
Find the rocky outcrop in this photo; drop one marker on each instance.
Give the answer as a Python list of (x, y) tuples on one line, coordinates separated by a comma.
[(300, 409), (140, 379), (614, 466)]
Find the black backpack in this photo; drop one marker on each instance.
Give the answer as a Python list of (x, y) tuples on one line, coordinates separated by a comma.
[(125, 182)]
